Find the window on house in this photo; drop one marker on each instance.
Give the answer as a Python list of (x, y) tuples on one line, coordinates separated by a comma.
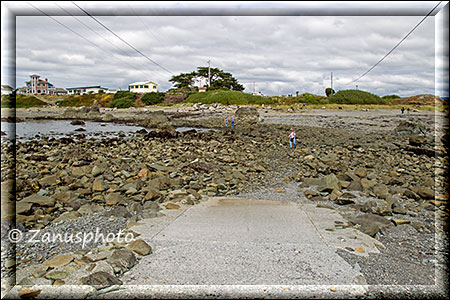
[(146, 86), (141, 86)]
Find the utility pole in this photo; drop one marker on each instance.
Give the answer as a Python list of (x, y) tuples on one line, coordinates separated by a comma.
[(209, 73), (331, 80)]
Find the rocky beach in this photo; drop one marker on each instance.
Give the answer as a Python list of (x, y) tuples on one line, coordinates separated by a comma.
[(385, 172)]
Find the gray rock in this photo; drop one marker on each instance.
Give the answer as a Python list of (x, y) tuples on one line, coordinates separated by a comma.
[(113, 198), (417, 140), (424, 192), (118, 212), (329, 183), (383, 208), (355, 185), (100, 280), (381, 191), (370, 224), (122, 260), (40, 200)]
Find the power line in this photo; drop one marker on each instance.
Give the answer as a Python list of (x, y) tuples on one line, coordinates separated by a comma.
[(131, 46), (147, 28), (87, 26), (68, 28), (79, 35), (398, 44)]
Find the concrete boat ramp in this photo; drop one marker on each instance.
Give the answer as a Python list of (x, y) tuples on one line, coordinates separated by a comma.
[(236, 247), (241, 248)]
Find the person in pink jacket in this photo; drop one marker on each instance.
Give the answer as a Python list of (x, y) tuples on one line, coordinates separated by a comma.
[(292, 138)]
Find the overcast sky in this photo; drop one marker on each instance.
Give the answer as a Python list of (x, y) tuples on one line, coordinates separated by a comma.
[(282, 47)]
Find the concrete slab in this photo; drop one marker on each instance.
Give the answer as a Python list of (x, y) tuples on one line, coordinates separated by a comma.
[(333, 230), (236, 241)]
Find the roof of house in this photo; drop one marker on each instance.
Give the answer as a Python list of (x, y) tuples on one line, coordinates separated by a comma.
[(85, 87), (142, 82), (5, 86)]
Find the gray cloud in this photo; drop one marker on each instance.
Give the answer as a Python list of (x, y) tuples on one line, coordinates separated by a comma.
[(281, 54)]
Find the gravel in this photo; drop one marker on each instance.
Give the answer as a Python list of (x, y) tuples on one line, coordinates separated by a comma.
[(38, 246), (410, 257)]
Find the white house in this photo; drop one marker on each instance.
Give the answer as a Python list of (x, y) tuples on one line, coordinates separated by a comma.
[(81, 90), (6, 89), (142, 87)]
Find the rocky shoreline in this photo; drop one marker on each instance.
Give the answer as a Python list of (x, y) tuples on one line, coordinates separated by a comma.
[(387, 184)]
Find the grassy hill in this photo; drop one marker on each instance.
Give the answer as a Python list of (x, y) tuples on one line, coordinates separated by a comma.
[(21, 101), (227, 97), (356, 97)]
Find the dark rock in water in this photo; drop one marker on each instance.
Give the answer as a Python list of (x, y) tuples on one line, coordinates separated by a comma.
[(66, 140), (190, 131), (3, 133), (80, 129), (142, 131), (100, 280), (164, 132), (77, 122)]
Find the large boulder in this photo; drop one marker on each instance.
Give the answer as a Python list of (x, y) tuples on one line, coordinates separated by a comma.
[(329, 183), (370, 224), (40, 200), (246, 114), (409, 128), (154, 119)]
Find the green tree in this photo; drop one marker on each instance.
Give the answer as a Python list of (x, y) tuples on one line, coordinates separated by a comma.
[(329, 92), (218, 79), (183, 80)]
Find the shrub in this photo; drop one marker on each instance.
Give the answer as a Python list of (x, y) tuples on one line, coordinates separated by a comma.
[(227, 97), (311, 98), (356, 97), (123, 99), (389, 97), (21, 101), (153, 98), (329, 92), (121, 94)]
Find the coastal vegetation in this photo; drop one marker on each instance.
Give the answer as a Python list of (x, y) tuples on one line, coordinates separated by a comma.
[(227, 97), (21, 101), (344, 99)]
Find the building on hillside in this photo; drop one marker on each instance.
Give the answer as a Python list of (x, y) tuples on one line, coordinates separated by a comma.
[(37, 86), (143, 87), (59, 91), (81, 90), (6, 89)]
